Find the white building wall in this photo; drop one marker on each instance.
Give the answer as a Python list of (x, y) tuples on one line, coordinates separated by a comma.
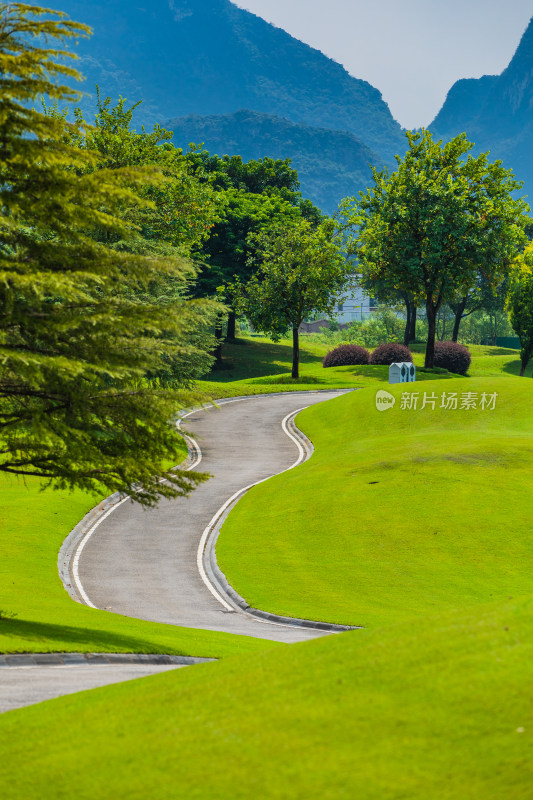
[(355, 308)]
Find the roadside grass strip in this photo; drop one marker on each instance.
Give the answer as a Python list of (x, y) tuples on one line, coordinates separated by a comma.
[(398, 514), (439, 708), (36, 613)]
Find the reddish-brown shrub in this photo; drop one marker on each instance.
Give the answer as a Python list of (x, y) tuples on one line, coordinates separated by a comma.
[(452, 356), (390, 353), (346, 355)]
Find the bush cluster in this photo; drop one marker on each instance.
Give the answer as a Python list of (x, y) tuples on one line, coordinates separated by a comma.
[(452, 356), (390, 353), (345, 355)]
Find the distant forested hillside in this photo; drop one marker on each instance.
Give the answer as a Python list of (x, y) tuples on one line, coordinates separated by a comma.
[(331, 164), (208, 57), (496, 112)]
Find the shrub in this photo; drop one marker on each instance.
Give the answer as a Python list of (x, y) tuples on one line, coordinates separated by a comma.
[(390, 353), (452, 356), (346, 354)]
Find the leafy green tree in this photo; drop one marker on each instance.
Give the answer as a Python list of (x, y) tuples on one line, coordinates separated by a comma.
[(520, 303), (301, 270), (481, 296), (436, 223), (258, 195), (75, 341), (182, 210)]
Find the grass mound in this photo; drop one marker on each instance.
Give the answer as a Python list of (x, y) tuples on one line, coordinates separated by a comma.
[(398, 514), (437, 710)]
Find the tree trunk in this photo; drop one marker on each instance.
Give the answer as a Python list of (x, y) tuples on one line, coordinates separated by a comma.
[(432, 329), (407, 332), (230, 334), (458, 317), (218, 338), (412, 332), (295, 353), (525, 355)]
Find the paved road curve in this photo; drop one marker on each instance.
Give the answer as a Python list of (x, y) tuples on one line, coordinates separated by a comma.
[(23, 686), (142, 563)]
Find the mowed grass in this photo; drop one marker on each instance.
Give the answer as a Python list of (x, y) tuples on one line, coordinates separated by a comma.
[(37, 614), (437, 709), (398, 514), (256, 365)]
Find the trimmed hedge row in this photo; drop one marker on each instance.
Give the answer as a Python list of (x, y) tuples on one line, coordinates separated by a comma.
[(450, 356), (352, 354), (345, 355)]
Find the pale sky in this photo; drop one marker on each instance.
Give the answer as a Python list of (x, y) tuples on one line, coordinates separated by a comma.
[(411, 50)]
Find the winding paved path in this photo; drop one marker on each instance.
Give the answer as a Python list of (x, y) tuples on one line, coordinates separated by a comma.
[(143, 563)]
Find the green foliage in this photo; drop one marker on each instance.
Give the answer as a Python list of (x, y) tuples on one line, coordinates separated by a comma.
[(253, 196), (520, 303), (301, 272), (430, 228), (76, 335)]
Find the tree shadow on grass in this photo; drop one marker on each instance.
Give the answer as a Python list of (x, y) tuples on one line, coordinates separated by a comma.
[(513, 367), (257, 359), (24, 636)]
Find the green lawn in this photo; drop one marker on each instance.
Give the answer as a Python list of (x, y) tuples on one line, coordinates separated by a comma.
[(37, 614), (437, 709), (255, 365), (397, 514), (415, 524)]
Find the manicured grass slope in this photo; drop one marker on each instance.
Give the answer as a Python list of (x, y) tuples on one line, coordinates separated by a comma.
[(255, 365), (37, 614), (437, 709), (397, 515)]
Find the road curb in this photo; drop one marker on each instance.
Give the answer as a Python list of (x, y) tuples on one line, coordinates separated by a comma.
[(221, 583), (74, 541), (12, 660), (69, 548)]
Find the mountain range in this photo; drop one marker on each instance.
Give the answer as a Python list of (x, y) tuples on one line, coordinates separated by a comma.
[(330, 164), (219, 75), (496, 112), (208, 58)]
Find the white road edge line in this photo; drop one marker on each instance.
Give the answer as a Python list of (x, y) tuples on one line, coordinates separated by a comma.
[(77, 554), (205, 535), (79, 550)]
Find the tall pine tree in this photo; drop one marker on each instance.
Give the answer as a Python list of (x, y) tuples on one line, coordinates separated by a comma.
[(76, 340)]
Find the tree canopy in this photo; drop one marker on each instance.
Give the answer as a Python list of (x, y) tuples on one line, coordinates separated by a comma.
[(77, 334), (300, 270), (437, 223), (520, 303)]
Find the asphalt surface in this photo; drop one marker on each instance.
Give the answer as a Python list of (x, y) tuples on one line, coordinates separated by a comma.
[(23, 686), (142, 562)]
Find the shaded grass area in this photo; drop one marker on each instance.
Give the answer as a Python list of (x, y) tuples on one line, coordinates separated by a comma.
[(256, 365), (398, 514), (487, 362), (37, 614), (437, 710)]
